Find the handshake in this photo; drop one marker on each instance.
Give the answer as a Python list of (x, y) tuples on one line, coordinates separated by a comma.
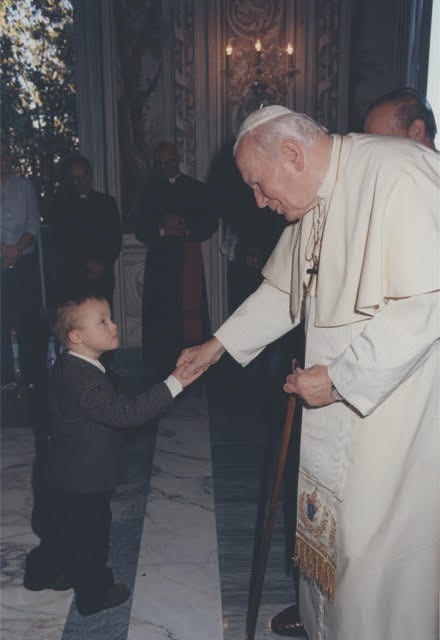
[(194, 361)]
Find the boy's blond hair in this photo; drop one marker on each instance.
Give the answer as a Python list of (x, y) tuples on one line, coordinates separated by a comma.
[(66, 317)]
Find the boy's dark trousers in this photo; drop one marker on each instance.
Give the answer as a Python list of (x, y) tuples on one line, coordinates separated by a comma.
[(77, 545)]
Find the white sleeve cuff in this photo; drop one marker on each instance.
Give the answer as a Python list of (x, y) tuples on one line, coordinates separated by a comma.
[(174, 385)]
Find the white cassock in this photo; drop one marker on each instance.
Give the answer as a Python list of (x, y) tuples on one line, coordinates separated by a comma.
[(368, 498)]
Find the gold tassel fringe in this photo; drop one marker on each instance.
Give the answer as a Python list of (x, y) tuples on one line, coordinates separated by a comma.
[(316, 565)]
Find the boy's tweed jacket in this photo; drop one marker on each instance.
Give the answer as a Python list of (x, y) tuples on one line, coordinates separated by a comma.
[(88, 420)]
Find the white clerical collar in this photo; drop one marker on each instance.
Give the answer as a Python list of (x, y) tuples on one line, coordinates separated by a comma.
[(329, 178), (173, 180), (96, 363), (340, 149)]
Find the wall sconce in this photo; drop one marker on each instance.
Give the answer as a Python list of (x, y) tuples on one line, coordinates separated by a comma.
[(262, 68)]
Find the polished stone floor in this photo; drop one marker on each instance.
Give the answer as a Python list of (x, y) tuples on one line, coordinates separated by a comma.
[(187, 515)]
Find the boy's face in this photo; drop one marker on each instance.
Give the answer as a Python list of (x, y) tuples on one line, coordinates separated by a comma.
[(96, 333)]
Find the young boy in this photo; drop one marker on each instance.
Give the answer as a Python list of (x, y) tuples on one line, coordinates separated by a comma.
[(88, 420)]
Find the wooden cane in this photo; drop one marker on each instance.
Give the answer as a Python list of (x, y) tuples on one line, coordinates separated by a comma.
[(261, 560)]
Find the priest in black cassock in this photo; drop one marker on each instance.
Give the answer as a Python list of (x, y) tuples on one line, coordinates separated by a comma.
[(173, 217), (87, 230)]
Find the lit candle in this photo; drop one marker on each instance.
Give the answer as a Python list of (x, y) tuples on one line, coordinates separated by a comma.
[(289, 50), (228, 55), (258, 50)]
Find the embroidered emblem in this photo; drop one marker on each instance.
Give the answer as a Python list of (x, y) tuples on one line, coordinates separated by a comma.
[(309, 507), (313, 505), (315, 540)]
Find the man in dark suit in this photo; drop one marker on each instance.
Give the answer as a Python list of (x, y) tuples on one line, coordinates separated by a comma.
[(173, 217)]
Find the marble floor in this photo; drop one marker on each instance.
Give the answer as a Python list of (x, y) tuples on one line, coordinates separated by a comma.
[(186, 518)]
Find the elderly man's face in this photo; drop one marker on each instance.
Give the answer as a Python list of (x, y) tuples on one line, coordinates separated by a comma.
[(277, 184), (382, 121)]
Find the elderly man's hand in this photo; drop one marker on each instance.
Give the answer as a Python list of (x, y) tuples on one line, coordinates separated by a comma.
[(202, 356), (313, 385)]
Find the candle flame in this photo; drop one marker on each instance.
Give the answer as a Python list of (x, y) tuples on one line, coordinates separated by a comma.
[(258, 46), (289, 49), (229, 49)]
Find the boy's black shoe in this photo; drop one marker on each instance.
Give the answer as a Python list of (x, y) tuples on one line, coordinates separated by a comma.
[(116, 595), (58, 583)]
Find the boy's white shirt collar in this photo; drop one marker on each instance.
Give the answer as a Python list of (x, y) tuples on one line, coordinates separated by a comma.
[(91, 360)]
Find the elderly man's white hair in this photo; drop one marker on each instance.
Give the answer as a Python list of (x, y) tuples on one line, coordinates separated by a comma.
[(275, 123)]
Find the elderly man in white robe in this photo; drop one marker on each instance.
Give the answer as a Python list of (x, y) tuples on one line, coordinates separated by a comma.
[(361, 262), (405, 113)]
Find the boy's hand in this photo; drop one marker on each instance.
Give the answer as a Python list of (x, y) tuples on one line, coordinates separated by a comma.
[(188, 379)]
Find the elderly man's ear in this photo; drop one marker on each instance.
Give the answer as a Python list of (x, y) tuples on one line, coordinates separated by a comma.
[(417, 130), (292, 152)]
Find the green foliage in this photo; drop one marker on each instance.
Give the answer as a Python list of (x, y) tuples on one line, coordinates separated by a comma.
[(38, 110)]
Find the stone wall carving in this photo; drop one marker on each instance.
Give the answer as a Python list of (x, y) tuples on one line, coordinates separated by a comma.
[(249, 17), (328, 47), (184, 85), (131, 273), (139, 29)]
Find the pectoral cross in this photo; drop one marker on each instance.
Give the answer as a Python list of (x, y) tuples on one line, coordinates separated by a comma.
[(313, 272)]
